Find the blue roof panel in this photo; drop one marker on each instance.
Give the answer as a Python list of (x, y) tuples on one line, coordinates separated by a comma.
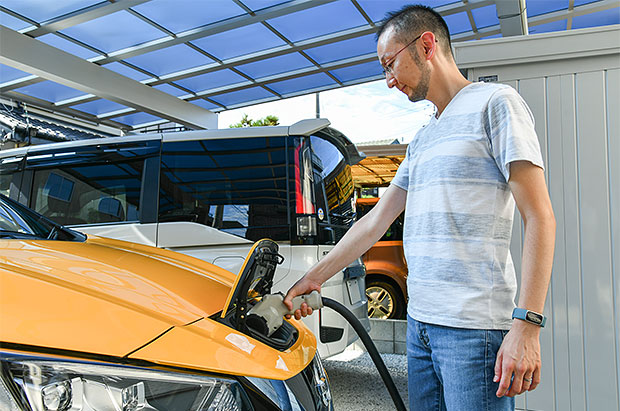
[(98, 107), (537, 7), (126, 71), (8, 73), (43, 10), (358, 71), (211, 80), (136, 119), (66, 45), (50, 91), (237, 42), (600, 18), (242, 96), (261, 4), (548, 27), (167, 88), (275, 65), (115, 31), (170, 60), (376, 10), (485, 16), (343, 49), (458, 23), (205, 104), (181, 15), (12, 22), (318, 21), (301, 83)]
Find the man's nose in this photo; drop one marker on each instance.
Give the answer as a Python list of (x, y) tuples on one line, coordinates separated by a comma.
[(390, 80)]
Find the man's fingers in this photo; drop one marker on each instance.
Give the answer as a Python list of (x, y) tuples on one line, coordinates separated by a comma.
[(288, 298), (517, 382), (498, 367), (504, 382), (535, 379)]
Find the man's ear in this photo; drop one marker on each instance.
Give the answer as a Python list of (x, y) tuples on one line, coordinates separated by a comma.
[(429, 44)]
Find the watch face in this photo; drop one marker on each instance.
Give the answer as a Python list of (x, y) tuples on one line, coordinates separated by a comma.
[(533, 317)]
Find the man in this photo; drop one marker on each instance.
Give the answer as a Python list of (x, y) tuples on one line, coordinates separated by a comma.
[(458, 186)]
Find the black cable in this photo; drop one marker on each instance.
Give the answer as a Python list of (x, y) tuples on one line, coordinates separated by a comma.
[(370, 347)]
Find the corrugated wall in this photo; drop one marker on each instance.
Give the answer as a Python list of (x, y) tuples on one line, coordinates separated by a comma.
[(576, 104)]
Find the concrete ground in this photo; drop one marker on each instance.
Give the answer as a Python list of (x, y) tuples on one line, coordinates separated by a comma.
[(356, 383)]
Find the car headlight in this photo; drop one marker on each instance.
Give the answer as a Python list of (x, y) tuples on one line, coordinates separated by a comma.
[(308, 390), (320, 381), (61, 385)]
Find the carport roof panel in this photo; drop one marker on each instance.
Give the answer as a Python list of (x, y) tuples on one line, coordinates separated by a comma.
[(224, 54)]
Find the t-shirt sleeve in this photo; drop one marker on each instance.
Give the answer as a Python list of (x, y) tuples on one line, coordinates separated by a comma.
[(401, 178), (509, 123)]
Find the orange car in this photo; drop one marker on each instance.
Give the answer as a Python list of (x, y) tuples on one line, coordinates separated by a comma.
[(386, 269), (88, 323)]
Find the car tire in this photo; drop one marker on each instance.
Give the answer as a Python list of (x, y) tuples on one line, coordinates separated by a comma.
[(384, 300)]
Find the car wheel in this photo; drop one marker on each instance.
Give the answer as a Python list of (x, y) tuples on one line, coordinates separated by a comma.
[(384, 300)]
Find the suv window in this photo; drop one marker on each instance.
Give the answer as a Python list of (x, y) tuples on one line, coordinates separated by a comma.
[(238, 186), (89, 185), (9, 174)]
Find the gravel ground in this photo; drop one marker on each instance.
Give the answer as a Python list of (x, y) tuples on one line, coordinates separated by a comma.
[(356, 383)]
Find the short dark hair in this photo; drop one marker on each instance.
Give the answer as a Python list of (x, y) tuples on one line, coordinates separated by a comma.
[(416, 19)]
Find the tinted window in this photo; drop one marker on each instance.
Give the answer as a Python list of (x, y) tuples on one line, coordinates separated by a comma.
[(9, 174), (90, 185), (334, 186), (236, 185)]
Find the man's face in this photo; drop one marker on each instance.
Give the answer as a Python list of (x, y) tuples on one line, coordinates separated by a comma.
[(404, 69)]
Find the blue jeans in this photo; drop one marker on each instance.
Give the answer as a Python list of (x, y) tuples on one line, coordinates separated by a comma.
[(453, 368)]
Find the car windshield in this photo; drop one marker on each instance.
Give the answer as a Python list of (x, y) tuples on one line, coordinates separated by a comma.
[(19, 222)]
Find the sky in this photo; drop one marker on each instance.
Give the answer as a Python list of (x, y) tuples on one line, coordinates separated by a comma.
[(364, 113)]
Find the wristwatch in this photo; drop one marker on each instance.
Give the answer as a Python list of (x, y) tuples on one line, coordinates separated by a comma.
[(529, 316)]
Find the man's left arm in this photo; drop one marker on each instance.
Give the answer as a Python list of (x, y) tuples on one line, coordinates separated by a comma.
[(519, 353)]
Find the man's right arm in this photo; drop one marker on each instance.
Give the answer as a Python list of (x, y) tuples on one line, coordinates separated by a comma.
[(358, 239)]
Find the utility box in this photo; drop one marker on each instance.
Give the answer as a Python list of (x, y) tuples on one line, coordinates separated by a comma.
[(571, 82)]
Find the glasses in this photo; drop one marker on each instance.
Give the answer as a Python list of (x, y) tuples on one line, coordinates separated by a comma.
[(387, 67)]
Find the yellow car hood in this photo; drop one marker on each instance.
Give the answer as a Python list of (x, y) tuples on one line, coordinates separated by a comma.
[(113, 298)]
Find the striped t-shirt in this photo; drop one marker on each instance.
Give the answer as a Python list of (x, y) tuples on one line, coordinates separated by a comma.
[(459, 212)]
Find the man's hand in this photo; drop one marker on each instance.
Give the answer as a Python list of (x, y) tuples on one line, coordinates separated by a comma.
[(301, 287), (519, 354)]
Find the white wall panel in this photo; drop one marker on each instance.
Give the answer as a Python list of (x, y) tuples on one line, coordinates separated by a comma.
[(612, 92), (558, 308), (598, 305)]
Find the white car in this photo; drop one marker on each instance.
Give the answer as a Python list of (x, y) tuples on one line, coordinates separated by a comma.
[(209, 194)]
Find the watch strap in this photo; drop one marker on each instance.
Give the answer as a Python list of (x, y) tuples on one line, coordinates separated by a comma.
[(529, 316)]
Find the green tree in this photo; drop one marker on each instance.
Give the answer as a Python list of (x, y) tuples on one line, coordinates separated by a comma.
[(246, 121)]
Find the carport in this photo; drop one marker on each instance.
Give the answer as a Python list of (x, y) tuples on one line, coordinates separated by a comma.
[(126, 66)]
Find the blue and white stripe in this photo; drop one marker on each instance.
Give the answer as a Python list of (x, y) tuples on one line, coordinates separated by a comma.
[(459, 212)]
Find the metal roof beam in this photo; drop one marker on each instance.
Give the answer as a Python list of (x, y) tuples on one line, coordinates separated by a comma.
[(512, 17), (265, 81), (81, 16), (266, 54), (213, 28), (30, 55)]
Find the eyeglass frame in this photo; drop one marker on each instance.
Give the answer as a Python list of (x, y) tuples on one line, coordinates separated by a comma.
[(387, 67)]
